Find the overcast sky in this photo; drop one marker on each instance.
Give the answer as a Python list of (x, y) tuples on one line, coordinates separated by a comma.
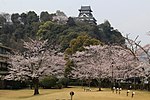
[(128, 16)]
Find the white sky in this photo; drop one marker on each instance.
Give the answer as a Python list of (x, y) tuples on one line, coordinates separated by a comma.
[(128, 16)]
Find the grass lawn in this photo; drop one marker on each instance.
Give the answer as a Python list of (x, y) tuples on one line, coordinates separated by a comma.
[(53, 94)]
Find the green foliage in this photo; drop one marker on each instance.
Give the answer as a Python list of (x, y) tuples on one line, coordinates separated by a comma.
[(23, 26), (45, 16), (23, 18), (64, 81), (69, 68), (15, 84), (2, 20), (65, 40), (48, 82), (50, 30), (108, 35), (15, 18), (71, 22), (79, 43), (30, 25), (32, 17)]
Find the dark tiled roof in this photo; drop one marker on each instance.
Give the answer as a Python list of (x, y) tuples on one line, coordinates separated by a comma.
[(85, 8)]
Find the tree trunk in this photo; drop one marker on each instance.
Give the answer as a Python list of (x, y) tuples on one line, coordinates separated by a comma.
[(99, 80), (36, 86), (134, 84), (99, 86), (148, 84), (89, 82), (82, 83)]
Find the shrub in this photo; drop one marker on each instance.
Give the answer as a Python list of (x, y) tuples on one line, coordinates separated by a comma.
[(48, 82), (64, 82)]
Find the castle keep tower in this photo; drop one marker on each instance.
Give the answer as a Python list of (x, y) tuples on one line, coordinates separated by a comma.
[(85, 15)]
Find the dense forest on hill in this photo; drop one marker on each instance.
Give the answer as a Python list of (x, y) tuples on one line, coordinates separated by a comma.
[(60, 30)]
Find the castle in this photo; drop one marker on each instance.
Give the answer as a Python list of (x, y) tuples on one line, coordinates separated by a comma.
[(85, 15)]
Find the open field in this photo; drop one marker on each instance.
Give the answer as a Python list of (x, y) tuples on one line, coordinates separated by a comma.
[(53, 94)]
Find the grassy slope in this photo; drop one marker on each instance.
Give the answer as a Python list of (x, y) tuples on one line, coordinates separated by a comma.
[(53, 94)]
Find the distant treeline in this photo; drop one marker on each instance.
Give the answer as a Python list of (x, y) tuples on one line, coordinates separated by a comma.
[(59, 29)]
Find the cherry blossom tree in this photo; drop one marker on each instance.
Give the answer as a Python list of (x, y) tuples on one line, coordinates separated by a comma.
[(99, 62), (37, 61), (60, 17), (142, 70), (123, 61)]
